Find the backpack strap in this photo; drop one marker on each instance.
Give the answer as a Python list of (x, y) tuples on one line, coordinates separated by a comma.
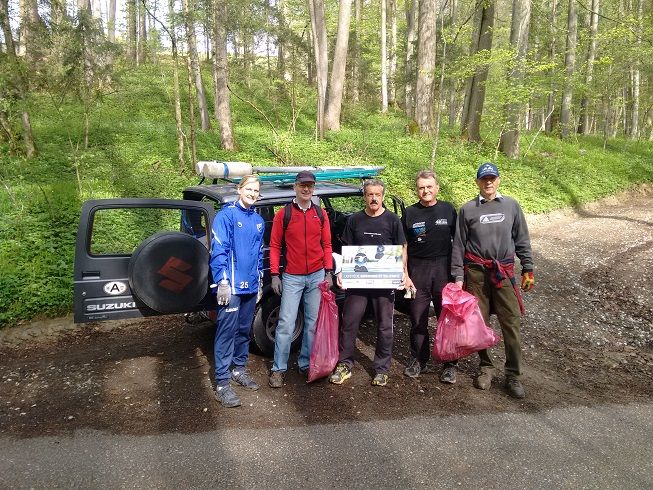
[(287, 213)]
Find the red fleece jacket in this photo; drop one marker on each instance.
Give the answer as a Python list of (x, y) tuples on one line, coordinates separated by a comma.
[(308, 242)]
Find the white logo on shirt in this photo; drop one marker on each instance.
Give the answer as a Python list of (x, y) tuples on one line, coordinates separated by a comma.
[(492, 218), (259, 227), (441, 221)]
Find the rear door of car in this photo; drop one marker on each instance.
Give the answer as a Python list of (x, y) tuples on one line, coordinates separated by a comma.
[(141, 257)]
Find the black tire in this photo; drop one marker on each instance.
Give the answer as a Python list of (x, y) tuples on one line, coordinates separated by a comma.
[(265, 324)]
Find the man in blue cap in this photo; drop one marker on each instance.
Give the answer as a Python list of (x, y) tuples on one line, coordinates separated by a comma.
[(491, 230)]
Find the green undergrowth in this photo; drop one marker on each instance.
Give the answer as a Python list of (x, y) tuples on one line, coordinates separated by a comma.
[(132, 153)]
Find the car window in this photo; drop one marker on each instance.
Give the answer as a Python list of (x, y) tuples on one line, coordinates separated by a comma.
[(120, 231), (346, 204)]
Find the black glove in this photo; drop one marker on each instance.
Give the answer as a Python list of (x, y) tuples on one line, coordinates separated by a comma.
[(328, 277), (276, 285), (224, 293)]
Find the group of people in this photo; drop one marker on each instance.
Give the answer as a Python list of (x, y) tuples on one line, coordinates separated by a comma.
[(475, 248)]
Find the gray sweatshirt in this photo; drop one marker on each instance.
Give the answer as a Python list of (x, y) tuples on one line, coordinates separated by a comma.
[(494, 229)]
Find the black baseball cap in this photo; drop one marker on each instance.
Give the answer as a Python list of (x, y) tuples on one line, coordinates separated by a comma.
[(305, 176)]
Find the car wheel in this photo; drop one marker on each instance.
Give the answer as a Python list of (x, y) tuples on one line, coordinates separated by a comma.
[(168, 272), (265, 326)]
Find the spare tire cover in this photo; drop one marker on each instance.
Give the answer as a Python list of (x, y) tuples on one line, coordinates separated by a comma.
[(169, 272)]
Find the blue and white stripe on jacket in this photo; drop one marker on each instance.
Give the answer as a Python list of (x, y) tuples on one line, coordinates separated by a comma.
[(237, 248)]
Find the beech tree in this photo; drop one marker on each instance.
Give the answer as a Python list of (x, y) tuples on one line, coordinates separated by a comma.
[(195, 64), (570, 69), (320, 49), (338, 69), (425, 65), (384, 56), (221, 75), (521, 17), (14, 89), (475, 87), (412, 10)]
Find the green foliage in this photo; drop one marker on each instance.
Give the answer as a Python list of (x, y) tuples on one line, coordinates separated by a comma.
[(132, 153)]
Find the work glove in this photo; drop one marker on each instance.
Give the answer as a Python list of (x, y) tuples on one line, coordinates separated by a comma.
[(527, 281), (223, 294), (276, 285), (328, 277)]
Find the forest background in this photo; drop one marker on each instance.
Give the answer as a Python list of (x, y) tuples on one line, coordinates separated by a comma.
[(120, 100)]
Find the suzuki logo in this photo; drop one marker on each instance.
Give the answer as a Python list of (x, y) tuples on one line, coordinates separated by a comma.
[(173, 270)]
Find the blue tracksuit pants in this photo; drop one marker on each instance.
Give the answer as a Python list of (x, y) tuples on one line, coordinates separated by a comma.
[(232, 334)]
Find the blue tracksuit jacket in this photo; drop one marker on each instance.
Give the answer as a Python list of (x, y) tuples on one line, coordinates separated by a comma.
[(237, 248)]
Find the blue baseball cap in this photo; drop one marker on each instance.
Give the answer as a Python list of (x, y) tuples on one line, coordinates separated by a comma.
[(487, 169)]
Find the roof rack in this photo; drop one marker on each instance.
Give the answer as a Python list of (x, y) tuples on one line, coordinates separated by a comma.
[(235, 171)]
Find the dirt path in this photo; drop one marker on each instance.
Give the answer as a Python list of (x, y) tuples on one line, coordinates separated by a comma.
[(588, 339)]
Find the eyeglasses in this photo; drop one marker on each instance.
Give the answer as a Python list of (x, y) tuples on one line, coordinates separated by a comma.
[(307, 185)]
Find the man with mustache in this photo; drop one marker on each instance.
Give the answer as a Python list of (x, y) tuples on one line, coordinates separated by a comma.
[(491, 230), (375, 225)]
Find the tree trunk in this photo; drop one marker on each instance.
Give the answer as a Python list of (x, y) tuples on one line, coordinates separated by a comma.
[(570, 68), (181, 152), (132, 30), (521, 18), (191, 113), (392, 75), (17, 81), (337, 82), (221, 75), (475, 87), (141, 52), (355, 68), (584, 127), (195, 66), (549, 123), (283, 47), (30, 30), (384, 56), (318, 27), (634, 125), (96, 11), (426, 65), (111, 21), (453, 89), (411, 41)]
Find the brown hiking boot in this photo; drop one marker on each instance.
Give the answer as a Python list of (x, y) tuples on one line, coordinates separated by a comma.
[(484, 380), (514, 387), (276, 379)]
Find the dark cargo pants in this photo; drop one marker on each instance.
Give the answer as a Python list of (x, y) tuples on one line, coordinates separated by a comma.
[(503, 302), (352, 313), (429, 276)]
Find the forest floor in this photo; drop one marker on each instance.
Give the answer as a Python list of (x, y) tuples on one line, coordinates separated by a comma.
[(587, 340)]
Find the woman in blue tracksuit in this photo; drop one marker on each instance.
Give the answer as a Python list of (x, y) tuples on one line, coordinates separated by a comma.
[(237, 267)]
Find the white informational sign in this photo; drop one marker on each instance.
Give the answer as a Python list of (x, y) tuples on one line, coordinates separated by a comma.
[(372, 266)]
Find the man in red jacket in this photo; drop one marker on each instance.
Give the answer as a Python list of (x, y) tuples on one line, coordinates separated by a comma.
[(307, 240)]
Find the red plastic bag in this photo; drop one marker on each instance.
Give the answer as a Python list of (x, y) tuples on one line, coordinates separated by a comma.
[(324, 354), (461, 328)]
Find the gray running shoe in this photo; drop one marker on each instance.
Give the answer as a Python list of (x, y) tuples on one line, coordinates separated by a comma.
[(243, 379), (514, 387), (414, 369), (227, 396), (448, 375)]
